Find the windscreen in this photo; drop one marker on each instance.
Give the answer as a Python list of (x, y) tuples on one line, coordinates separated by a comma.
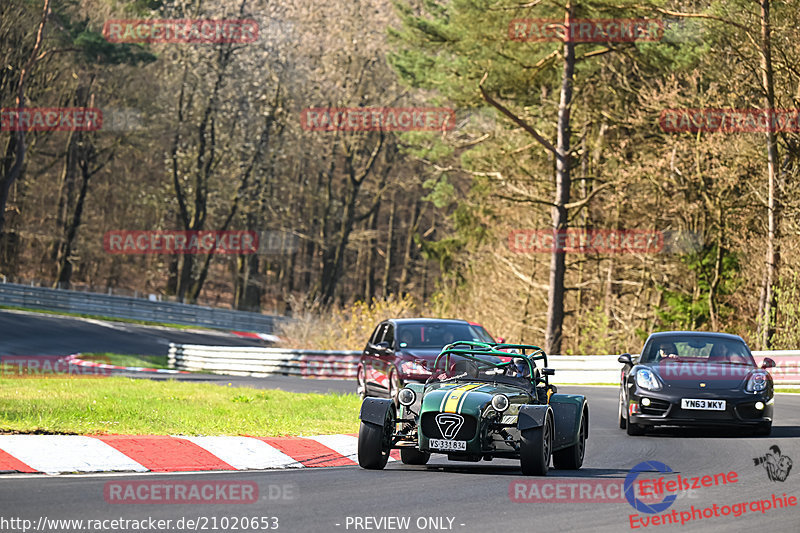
[(697, 349), (513, 370), (435, 336)]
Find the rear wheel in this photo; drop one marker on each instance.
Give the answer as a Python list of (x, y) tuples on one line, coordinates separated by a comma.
[(412, 456), (375, 442), (535, 448), (572, 458)]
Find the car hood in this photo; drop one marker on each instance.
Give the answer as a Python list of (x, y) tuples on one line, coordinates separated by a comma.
[(686, 375), (426, 354), (469, 397)]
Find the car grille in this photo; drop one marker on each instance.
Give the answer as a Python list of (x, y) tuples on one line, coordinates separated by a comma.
[(656, 407), (431, 429)]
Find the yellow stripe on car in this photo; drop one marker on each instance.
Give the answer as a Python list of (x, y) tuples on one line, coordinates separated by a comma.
[(453, 399)]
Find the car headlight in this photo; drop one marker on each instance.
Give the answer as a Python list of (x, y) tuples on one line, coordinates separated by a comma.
[(756, 382), (406, 397), (500, 402), (646, 379), (412, 367)]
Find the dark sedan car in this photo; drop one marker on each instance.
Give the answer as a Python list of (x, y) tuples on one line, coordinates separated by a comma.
[(686, 378), (401, 350)]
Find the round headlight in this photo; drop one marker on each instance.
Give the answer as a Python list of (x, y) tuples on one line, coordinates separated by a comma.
[(646, 402), (760, 406), (500, 402), (406, 397)]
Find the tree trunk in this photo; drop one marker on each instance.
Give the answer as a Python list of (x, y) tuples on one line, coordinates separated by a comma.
[(773, 251), (555, 296), (387, 260)]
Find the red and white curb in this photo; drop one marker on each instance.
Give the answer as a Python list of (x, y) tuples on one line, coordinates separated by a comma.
[(59, 454), (252, 335), (75, 360)]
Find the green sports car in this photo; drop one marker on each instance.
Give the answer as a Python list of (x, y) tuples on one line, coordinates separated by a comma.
[(482, 401)]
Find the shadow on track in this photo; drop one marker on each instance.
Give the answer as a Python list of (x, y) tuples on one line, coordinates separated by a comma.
[(778, 432), (511, 470)]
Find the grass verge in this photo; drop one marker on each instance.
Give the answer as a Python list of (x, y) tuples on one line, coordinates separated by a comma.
[(118, 405)]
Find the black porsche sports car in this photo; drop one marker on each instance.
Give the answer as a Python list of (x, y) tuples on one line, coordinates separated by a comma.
[(684, 378)]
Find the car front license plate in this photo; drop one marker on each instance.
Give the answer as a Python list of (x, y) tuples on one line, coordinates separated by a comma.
[(703, 405), (448, 445)]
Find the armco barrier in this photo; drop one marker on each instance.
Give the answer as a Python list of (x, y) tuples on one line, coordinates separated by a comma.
[(248, 361), (91, 303)]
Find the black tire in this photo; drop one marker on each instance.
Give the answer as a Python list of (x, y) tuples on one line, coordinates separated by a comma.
[(374, 442), (572, 458), (361, 379), (622, 421), (535, 448), (764, 430), (634, 430), (412, 456)]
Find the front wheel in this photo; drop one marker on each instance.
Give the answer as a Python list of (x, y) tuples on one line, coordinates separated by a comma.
[(375, 442), (572, 458), (622, 421), (535, 448), (412, 456)]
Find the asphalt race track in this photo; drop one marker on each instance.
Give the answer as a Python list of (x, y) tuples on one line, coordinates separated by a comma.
[(441, 496), (27, 333), (473, 494)]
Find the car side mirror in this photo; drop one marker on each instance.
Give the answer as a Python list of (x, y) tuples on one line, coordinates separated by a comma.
[(501, 340), (625, 359), (768, 363), (382, 346), (549, 371)]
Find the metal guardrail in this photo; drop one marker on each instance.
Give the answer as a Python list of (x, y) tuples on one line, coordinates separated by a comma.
[(247, 361), (258, 362), (89, 303)]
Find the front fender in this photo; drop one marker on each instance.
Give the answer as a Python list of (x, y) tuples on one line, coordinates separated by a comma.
[(532, 416), (374, 410), (567, 411)]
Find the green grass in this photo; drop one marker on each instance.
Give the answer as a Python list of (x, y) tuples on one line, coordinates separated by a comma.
[(117, 405), (788, 390), (119, 359)]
